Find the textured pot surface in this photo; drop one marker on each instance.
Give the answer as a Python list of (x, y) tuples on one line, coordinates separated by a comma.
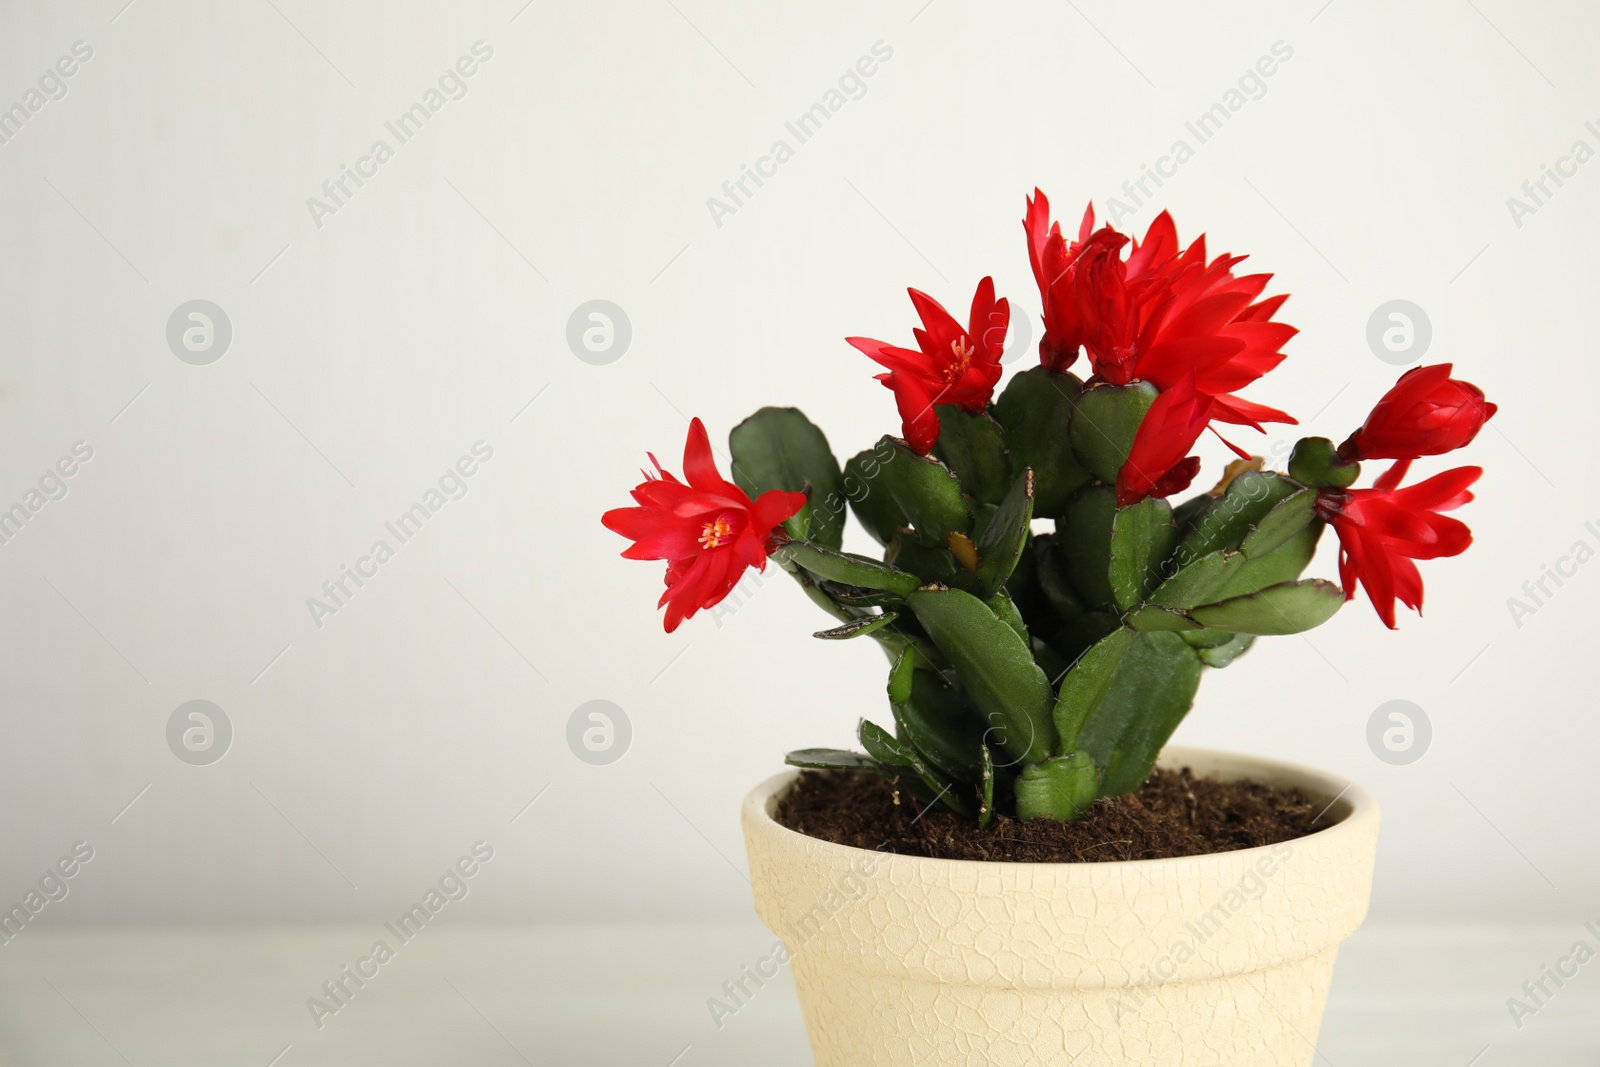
[(1207, 960)]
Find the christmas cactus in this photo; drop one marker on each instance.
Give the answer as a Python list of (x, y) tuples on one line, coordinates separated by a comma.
[(1046, 609)]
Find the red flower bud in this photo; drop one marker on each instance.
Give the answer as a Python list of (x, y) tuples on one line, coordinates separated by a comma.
[(1159, 463), (1426, 413)]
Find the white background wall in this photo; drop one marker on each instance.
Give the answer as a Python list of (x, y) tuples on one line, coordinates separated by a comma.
[(372, 351)]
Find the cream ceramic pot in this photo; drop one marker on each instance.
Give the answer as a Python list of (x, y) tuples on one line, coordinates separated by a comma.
[(1208, 960)]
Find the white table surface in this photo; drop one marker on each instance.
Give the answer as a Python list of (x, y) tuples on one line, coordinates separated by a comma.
[(1403, 996)]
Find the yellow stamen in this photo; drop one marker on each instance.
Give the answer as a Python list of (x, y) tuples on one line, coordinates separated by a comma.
[(714, 533), (961, 349)]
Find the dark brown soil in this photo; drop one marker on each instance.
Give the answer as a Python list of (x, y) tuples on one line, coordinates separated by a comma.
[(1173, 814)]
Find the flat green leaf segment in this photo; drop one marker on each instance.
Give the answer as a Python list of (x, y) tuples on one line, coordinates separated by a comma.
[(1034, 407), (927, 493), (1123, 707), (1290, 608), (974, 448), (847, 569), (869, 497), (779, 448), (1104, 421), (867, 624), (1142, 537), (929, 716), (995, 666), (830, 759), (1059, 788), (1006, 535)]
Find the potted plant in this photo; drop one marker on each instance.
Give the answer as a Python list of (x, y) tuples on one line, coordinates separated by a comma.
[(1048, 613)]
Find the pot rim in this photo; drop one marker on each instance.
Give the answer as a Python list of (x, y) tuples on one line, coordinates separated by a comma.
[(1353, 805)]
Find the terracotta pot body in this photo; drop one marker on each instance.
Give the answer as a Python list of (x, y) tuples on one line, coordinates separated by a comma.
[(1203, 961)]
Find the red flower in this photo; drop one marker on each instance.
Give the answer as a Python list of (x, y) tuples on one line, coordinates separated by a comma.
[(1382, 529), (1163, 316), (1426, 413), (708, 531), (1200, 318), (1157, 314), (954, 366), (1159, 463)]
